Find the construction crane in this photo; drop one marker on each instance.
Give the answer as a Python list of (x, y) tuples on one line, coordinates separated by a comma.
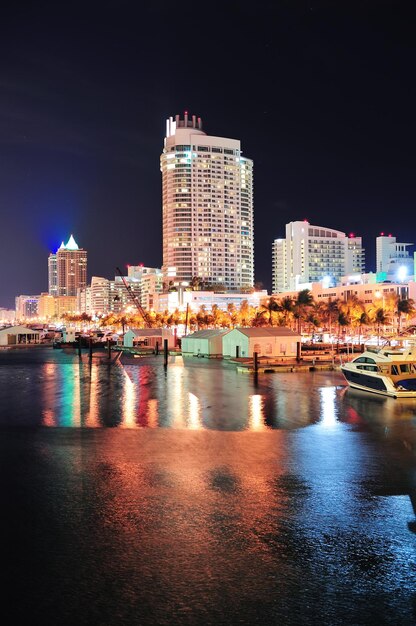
[(135, 299)]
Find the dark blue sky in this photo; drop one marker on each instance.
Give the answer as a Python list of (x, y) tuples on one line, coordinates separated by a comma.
[(322, 98)]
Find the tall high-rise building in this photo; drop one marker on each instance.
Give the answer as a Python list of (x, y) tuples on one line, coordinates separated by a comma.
[(207, 207), (311, 254), (52, 275), (67, 269), (393, 258)]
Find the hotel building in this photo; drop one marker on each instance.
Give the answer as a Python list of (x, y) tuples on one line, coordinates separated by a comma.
[(311, 254), (207, 188), (393, 259)]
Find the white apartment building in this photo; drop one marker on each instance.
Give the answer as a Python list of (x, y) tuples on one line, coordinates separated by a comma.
[(150, 284), (311, 254), (26, 307), (53, 274), (365, 287), (104, 296), (99, 295), (393, 258), (150, 281), (207, 189)]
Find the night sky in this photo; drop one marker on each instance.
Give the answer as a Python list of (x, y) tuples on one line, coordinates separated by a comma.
[(321, 95)]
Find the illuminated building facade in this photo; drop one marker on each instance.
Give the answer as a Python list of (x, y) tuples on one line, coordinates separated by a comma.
[(311, 254), (68, 271), (367, 290), (26, 307), (207, 190), (393, 259), (52, 275), (47, 306)]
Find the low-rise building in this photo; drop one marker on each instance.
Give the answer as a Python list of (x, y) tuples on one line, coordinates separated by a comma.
[(204, 343), (271, 342), (149, 337), (18, 335)]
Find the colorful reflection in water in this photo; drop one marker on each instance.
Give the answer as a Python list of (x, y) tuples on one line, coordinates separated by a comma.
[(233, 501), (129, 404), (188, 394)]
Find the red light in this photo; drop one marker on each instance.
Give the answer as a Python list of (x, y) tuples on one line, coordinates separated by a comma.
[(382, 234), (390, 235), (351, 234)]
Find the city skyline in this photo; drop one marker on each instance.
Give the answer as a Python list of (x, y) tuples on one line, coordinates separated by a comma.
[(320, 97)]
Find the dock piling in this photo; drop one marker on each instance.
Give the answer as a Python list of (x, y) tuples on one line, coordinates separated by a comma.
[(165, 352)]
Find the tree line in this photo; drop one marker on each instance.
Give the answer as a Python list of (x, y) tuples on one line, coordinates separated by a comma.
[(302, 314)]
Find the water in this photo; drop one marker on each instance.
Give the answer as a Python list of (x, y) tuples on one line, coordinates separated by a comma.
[(194, 495)]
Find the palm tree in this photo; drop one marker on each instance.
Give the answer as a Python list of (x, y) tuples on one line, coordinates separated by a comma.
[(201, 317), (122, 321), (313, 321), (303, 302), (405, 307), (244, 313), (362, 320), (287, 308), (330, 311), (379, 318), (343, 320), (195, 283), (354, 308), (271, 306), (233, 313), (259, 319), (217, 315)]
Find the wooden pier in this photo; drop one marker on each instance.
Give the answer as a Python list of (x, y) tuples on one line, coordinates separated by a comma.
[(271, 366)]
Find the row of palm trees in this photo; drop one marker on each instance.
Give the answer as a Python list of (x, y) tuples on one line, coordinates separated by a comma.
[(351, 314), (301, 314)]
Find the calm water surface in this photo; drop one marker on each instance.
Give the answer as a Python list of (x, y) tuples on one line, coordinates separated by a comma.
[(196, 495)]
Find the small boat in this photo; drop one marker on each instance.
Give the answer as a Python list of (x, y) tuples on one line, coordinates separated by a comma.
[(388, 372)]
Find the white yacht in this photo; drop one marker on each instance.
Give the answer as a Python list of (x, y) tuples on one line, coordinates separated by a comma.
[(388, 371)]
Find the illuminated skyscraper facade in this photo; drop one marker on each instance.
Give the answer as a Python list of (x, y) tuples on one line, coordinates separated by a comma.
[(67, 269), (52, 275), (313, 254), (207, 207), (393, 259)]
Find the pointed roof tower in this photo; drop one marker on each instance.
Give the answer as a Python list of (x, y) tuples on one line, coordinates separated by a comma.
[(72, 244)]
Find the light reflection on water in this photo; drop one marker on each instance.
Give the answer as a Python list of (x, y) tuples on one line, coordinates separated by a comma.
[(210, 498), (57, 390), (329, 409)]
